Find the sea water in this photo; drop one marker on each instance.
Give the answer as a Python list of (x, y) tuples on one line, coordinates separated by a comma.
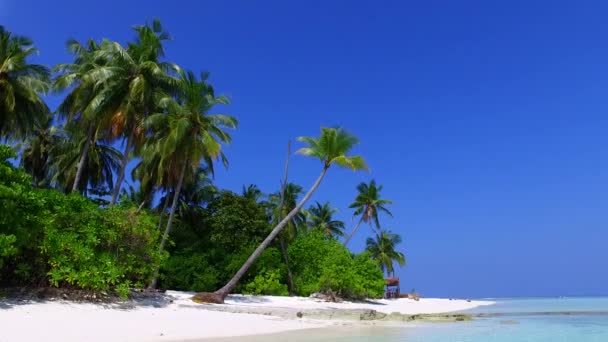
[(509, 320), (514, 320)]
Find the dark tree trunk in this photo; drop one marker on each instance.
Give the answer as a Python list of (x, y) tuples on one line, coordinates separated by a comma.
[(219, 295), (290, 286), (162, 213), (352, 233), (163, 241), (121, 171), (83, 158)]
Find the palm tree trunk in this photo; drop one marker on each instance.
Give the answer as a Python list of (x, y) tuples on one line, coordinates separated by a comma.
[(163, 241), (224, 291), (83, 158), (123, 167), (352, 233), (162, 213), (141, 206), (290, 286)]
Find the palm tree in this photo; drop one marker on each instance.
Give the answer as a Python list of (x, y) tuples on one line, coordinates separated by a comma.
[(320, 218), (21, 84), (289, 201), (382, 250), (135, 78), (367, 204), (96, 172), (279, 205), (252, 192), (88, 102), (330, 148), (37, 154), (186, 135)]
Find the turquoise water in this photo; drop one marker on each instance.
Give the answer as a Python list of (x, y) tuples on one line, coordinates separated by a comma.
[(509, 320), (529, 320)]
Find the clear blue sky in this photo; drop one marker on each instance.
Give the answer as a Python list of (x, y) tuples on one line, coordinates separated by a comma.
[(486, 121)]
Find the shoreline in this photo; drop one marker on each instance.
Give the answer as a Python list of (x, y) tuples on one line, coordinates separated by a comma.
[(319, 334), (174, 317)]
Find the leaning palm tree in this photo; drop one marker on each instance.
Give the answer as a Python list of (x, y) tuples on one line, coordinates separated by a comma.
[(368, 204), (186, 135), (320, 217), (330, 148), (382, 250), (21, 84)]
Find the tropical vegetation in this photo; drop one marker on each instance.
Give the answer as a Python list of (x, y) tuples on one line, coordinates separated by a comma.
[(71, 216)]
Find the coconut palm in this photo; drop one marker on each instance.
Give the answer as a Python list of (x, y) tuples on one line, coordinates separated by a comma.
[(21, 84), (88, 103), (135, 77), (320, 218), (37, 154), (368, 204), (330, 148), (100, 164), (279, 210), (279, 205), (383, 250), (186, 135), (252, 192)]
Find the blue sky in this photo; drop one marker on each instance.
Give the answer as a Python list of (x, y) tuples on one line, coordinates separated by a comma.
[(485, 121)]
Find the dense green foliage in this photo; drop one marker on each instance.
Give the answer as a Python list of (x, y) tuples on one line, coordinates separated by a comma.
[(47, 237), (208, 248), (325, 265)]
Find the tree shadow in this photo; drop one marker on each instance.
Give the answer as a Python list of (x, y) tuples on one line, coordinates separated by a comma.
[(136, 300)]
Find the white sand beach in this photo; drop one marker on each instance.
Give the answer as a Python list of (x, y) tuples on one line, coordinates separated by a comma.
[(177, 318)]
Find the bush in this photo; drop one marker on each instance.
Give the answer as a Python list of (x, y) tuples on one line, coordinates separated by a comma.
[(370, 279), (267, 282), (7, 247), (325, 265), (99, 249), (47, 237), (189, 272), (208, 251)]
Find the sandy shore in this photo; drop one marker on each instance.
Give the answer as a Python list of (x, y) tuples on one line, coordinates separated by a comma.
[(174, 317)]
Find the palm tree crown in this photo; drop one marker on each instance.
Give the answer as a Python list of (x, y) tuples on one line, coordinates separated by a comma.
[(320, 218), (382, 250), (21, 84), (368, 204), (331, 148)]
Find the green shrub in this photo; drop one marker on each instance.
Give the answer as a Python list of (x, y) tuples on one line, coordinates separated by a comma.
[(7, 247), (99, 249), (267, 282), (325, 265), (370, 280), (67, 240), (189, 272)]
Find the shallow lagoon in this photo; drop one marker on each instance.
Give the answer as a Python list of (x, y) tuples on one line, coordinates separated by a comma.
[(510, 320)]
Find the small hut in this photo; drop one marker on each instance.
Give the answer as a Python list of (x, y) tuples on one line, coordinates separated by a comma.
[(392, 288)]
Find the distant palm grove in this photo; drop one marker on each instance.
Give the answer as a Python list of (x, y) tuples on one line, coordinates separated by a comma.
[(113, 189)]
